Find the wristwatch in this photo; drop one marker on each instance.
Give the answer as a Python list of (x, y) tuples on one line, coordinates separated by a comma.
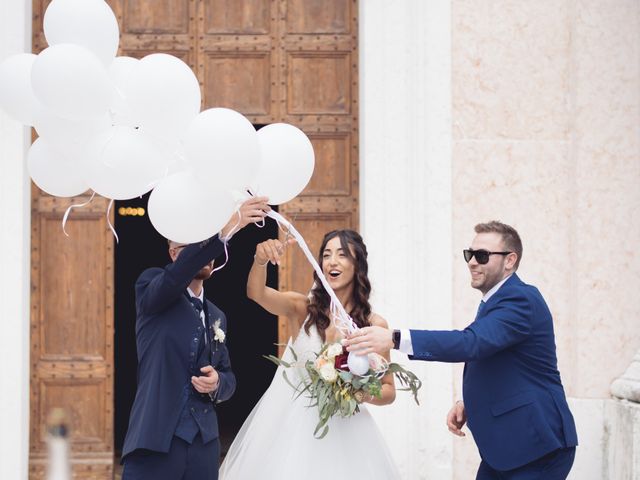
[(396, 339)]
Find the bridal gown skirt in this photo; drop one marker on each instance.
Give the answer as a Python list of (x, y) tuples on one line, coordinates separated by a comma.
[(276, 442)]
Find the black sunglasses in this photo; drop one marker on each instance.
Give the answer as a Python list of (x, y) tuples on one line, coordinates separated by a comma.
[(482, 256)]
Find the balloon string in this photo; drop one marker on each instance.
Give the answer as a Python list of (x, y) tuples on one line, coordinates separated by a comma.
[(342, 319), (113, 230), (226, 239), (71, 207), (225, 242), (226, 259)]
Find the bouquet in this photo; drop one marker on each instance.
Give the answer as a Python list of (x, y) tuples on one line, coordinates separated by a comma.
[(335, 390)]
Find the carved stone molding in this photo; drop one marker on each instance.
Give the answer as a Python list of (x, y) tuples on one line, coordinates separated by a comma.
[(627, 386)]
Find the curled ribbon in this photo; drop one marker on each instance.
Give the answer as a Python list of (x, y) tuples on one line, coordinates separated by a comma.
[(71, 207), (113, 230)]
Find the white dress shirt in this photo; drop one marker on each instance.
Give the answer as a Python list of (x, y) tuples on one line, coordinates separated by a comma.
[(201, 298)]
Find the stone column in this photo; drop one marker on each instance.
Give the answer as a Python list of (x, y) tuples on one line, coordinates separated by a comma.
[(405, 171), (627, 387), (15, 214), (622, 426)]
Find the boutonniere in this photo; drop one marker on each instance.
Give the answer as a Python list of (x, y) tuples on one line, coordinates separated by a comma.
[(218, 333)]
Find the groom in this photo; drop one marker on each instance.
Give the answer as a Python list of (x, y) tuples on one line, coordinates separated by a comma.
[(514, 401), (183, 363)]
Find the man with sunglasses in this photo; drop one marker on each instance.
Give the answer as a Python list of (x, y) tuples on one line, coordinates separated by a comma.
[(514, 401), (183, 363)]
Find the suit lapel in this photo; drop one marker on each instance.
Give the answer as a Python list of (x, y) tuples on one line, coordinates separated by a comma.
[(513, 279)]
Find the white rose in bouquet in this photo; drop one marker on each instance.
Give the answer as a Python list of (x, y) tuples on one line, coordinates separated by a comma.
[(334, 349), (328, 373)]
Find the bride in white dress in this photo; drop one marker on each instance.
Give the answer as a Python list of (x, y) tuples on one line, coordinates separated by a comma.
[(276, 441)]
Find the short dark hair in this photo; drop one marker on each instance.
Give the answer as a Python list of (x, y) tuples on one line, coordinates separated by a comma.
[(509, 235)]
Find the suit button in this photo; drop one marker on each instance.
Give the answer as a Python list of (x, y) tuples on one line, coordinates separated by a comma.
[(193, 410), (206, 410)]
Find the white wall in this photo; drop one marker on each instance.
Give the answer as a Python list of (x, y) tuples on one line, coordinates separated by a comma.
[(525, 112), (405, 172), (15, 37), (546, 115)]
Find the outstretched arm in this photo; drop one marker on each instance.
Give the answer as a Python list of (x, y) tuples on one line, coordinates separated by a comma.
[(507, 324), (289, 304), (158, 288)]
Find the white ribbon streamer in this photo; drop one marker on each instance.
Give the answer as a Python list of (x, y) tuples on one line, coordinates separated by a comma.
[(113, 230), (71, 207), (340, 316)]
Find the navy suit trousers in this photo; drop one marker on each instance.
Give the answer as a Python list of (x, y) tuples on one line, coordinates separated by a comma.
[(184, 461), (553, 466)]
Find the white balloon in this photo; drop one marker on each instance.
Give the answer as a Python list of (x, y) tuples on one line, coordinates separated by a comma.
[(358, 364), (67, 135), (53, 172), (164, 94), (16, 95), (89, 23), (222, 146), (181, 210), (286, 163), (71, 81), (124, 163), (120, 72), (121, 68)]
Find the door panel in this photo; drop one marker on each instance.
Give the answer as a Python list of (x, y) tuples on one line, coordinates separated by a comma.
[(72, 331), (293, 61)]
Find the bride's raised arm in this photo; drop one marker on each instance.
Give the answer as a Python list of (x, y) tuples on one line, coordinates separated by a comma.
[(290, 304)]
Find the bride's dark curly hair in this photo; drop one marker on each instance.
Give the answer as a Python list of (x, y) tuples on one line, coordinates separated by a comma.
[(318, 308)]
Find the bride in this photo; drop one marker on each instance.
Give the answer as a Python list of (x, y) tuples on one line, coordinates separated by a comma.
[(276, 441)]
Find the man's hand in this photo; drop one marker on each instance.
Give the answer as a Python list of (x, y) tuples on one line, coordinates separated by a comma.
[(370, 339), (207, 383), (252, 210), (456, 418)]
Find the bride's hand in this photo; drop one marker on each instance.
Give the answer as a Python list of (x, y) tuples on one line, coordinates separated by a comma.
[(271, 251)]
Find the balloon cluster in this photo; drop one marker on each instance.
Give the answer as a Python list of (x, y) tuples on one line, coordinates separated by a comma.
[(123, 126)]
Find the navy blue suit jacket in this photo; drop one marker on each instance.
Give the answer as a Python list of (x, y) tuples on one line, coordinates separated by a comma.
[(515, 404), (167, 327)]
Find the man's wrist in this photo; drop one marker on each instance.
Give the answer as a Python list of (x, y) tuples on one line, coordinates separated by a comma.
[(396, 335), (213, 394)]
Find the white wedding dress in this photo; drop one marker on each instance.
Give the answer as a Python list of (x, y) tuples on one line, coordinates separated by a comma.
[(276, 441)]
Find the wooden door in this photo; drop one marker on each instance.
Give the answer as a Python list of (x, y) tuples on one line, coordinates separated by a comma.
[(293, 61)]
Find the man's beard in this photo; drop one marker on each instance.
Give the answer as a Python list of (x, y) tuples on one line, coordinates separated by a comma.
[(204, 273)]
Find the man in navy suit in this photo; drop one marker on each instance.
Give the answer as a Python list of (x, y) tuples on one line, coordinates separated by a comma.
[(514, 401), (183, 364)]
